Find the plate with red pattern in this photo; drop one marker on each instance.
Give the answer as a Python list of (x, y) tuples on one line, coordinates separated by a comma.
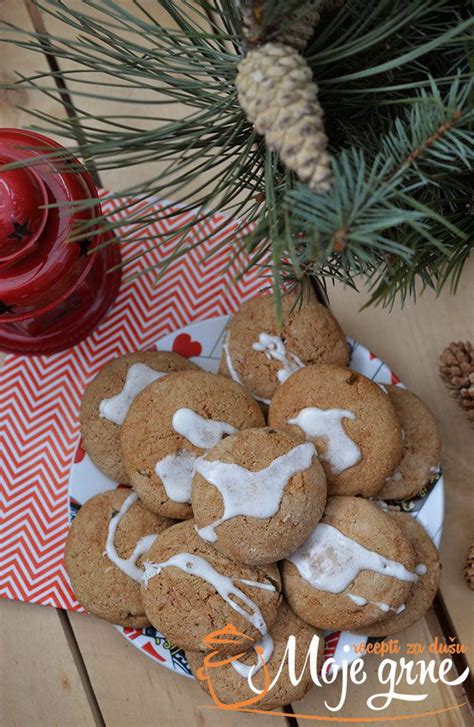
[(202, 342)]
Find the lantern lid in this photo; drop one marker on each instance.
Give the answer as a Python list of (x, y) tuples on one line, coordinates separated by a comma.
[(43, 255), (22, 211)]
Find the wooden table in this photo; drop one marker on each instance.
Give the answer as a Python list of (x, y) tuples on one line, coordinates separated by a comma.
[(59, 668)]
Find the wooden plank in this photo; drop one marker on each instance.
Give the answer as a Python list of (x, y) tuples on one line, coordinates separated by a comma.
[(16, 60), (40, 682), (439, 695), (132, 689)]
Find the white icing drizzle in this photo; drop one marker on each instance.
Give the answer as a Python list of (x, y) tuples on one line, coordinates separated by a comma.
[(127, 565), (198, 430), (382, 387), (176, 470), (273, 347), (176, 474), (342, 452), (330, 561), (245, 670), (421, 569), (385, 607), (233, 373), (138, 377), (256, 494), (225, 586)]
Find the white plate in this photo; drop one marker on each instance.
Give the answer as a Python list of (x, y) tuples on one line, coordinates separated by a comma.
[(202, 343)]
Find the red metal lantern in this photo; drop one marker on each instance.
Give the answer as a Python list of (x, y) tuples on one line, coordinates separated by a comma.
[(53, 290)]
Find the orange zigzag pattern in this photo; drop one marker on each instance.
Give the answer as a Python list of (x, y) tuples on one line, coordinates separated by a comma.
[(40, 397)]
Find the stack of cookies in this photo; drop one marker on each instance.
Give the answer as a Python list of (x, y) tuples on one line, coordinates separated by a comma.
[(254, 501)]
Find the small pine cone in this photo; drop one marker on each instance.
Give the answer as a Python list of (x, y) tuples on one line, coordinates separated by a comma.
[(457, 371), (298, 32), (469, 568), (299, 24), (277, 93)]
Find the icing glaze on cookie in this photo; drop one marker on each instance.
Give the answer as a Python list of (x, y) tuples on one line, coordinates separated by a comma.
[(421, 569), (225, 586), (139, 376), (255, 494), (342, 452), (245, 670), (330, 561), (274, 348), (198, 430), (176, 474), (127, 565), (385, 607), (233, 373)]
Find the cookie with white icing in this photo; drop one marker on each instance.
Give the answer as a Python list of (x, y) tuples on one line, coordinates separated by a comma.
[(190, 590), (350, 420), (172, 423), (258, 494), (355, 567), (107, 398), (421, 448), (230, 682), (422, 593), (261, 353), (104, 554)]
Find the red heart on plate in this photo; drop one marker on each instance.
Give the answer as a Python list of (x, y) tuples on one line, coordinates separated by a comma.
[(395, 379), (185, 346), (80, 453)]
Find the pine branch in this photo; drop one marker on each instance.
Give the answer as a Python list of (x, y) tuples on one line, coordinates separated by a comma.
[(394, 81)]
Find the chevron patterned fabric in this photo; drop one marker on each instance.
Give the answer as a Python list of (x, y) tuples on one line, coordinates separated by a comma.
[(40, 397)]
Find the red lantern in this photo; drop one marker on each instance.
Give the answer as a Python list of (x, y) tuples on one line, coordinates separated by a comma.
[(53, 289)]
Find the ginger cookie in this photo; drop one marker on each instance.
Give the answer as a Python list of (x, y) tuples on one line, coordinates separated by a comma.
[(190, 590), (260, 353), (172, 423), (229, 682), (258, 494), (104, 553), (350, 420), (107, 398), (355, 566), (422, 592), (421, 447)]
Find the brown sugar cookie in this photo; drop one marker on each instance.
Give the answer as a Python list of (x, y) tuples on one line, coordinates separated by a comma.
[(350, 420), (107, 398), (258, 494), (104, 552), (421, 447), (190, 590), (260, 353), (422, 592), (230, 681), (356, 565), (172, 423)]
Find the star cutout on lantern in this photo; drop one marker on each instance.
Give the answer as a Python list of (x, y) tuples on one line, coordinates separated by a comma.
[(84, 246), (20, 230), (5, 308)]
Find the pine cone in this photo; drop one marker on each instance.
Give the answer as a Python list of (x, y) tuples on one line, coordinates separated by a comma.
[(299, 24), (277, 93), (469, 568), (457, 371)]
